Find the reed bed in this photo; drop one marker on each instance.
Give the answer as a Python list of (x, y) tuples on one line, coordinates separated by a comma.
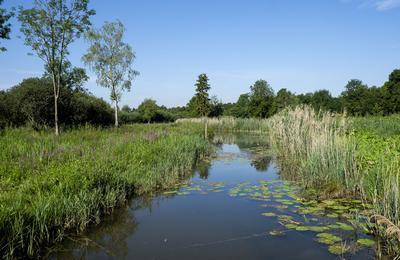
[(51, 187), (230, 124), (313, 149), (325, 154)]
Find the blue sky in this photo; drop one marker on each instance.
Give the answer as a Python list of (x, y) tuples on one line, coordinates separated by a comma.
[(302, 45)]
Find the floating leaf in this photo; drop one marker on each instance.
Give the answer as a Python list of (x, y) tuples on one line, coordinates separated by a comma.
[(268, 214), (327, 238), (366, 242), (338, 249)]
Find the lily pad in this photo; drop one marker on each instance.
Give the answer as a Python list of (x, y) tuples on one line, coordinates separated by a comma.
[(268, 214), (291, 226), (338, 249), (366, 242), (328, 239)]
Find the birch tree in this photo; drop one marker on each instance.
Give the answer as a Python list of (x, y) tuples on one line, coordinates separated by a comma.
[(50, 27), (111, 60)]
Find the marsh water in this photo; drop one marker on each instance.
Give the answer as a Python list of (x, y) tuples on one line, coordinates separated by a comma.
[(234, 206)]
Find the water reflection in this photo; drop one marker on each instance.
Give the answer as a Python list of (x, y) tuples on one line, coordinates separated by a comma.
[(109, 237), (203, 170), (261, 163)]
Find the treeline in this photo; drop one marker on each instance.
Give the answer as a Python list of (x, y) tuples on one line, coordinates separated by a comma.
[(357, 99), (32, 103)]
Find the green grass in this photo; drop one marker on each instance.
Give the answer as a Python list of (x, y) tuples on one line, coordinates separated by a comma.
[(50, 187), (230, 124), (379, 125)]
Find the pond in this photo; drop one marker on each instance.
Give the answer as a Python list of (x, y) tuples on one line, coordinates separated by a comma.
[(233, 207)]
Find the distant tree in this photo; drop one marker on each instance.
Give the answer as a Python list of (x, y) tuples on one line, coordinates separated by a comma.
[(241, 108), (5, 26), (202, 101), (216, 107), (391, 93), (148, 110), (49, 28), (191, 108), (73, 78), (375, 101), (283, 99), (261, 99), (111, 59), (355, 98), (126, 108), (305, 98), (323, 100), (228, 109), (76, 78)]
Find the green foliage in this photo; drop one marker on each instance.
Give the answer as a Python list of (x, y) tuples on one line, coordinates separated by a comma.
[(356, 98), (31, 103), (51, 187), (201, 101), (216, 107), (261, 99), (391, 93), (284, 99), (111, 59), (148, 110), (5, 26)]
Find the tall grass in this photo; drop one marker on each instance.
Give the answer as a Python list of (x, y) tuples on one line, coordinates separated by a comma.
[(313, 149), (322, 152), (231, 124), (51, 186)]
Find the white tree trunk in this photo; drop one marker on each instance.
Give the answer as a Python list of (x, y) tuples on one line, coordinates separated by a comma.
[(56, 115), (116, 113)]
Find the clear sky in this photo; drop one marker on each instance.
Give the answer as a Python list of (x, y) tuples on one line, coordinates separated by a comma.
[(302, 45)]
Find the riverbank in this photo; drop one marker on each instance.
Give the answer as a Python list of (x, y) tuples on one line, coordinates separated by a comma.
[(54, 186), (332, 156)]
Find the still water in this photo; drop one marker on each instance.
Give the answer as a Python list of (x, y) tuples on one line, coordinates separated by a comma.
[(218, 214)]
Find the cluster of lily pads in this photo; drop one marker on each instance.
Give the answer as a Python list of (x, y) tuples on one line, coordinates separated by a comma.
[(337, 223)]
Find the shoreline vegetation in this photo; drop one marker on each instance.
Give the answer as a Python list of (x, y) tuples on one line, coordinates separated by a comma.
[(54, 186), (332, 156)]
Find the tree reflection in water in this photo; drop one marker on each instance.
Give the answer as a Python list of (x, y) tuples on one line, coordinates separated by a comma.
[(109, 237)]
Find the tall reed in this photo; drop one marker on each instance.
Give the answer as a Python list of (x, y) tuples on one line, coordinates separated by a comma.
[(231, 124), (322, 153), (313, 149)]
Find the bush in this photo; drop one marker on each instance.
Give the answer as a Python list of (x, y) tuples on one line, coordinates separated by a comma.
[(32, 103)]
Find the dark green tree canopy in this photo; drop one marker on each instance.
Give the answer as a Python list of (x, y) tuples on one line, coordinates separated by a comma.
[(283, 99), (261, 99), (355, 97), (391, 90)]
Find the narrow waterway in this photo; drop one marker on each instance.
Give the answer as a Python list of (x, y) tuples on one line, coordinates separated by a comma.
[(234, 207)]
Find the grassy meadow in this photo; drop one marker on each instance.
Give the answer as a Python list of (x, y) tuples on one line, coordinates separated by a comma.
[(53, 186)]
